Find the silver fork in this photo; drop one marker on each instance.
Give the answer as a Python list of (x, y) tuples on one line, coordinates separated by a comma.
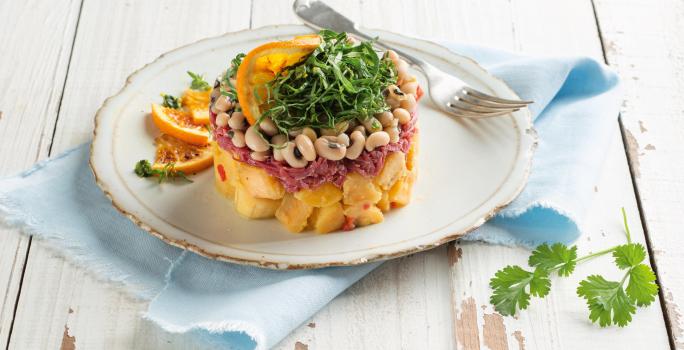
[(451, 94)]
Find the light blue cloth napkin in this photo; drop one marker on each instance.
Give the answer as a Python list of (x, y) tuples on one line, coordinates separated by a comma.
[(239, 307)]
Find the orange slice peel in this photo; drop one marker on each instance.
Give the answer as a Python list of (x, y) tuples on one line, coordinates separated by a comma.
[(179, 123), (263, 64), (185, 157)]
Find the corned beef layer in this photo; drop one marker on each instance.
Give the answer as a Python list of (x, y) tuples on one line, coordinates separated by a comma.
[(321, 170)]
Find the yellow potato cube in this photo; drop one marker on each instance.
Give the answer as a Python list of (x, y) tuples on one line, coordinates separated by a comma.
[(259, 183), (364, 214), (293, 213), (358, 190), (321, 196), (328, 219), (384, 203), (225, 171), (392, 170), (412, 153), (400, 193), (252, 207)]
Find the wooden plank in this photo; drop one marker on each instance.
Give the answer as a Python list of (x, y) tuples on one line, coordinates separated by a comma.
[(643, 42), (36, 45), (59, 300), (561, 319)]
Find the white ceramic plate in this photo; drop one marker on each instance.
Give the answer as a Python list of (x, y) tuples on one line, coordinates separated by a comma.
[(468, 169)]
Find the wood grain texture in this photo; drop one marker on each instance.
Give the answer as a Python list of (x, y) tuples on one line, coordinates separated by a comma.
[(643, 43), (114, 39), (560, 321), (42, 33), (437, 299)]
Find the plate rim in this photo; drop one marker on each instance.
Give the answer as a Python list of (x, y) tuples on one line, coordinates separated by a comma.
[(183, 244)]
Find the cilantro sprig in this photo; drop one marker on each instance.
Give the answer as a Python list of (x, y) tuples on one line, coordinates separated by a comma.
[(609, 302), (198, 83), (171, 101), (143, 168), (229, 89)]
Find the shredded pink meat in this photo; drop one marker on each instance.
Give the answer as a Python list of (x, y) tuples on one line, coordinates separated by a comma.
[(321, 170)]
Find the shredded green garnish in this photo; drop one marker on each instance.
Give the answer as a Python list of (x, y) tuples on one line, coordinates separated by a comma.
[(143, 168), (198, 83), (339, 81), (231, 72), (171, 101)]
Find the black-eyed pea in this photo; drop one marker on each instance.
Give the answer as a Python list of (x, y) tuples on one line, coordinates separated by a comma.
[(343, 139), (237, 137), (402, 70), (385, 118), (330, 148), (310, 133), (222, 119), (409, 103), (361, 129), (222, 104), (278, 142), (305, 147), (268, 127), (237, 121), (402, 115), (292, 156), (393, 133), (377, 139), (358, 142), (410, 88), (255, 141), (372, 124), (260, 156), (393, 96)]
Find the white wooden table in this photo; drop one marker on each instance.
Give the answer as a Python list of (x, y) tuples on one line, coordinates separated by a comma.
[(59, 59)]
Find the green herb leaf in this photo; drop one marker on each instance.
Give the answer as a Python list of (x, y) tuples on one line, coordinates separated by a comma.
[(227, 88), (607, 301), (555, 256), (629, 255), (198, 83), (510, 284), (339, 81), (171, 101), (642, 287), (143, 168)]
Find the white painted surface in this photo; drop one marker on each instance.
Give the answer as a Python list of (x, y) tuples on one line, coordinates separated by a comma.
[(643, 42), (413, 302)]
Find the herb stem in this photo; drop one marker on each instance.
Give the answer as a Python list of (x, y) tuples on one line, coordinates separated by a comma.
[(624, 221), (599, 253)]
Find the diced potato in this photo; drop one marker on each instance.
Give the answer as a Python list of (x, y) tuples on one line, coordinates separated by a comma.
[(392, 170), (400, 193), (311, 221), (259, 183), (225, 171), (322, 196), (358, 190), (329, 218), (384, 203), (252, 207), (293, 213), (412, 153), (365, 214)]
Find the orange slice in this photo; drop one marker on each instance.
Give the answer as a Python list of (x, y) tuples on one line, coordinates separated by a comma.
[(184, 156), (263, 63), (179, 123), (197, 103)]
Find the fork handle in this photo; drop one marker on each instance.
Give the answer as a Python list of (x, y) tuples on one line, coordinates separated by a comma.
[(318, 15)]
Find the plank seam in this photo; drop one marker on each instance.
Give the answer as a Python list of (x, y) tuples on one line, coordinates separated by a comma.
[(637, 195), (54, 131)]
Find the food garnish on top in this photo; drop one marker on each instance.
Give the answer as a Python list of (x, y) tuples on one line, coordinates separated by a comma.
[(318, 131)]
